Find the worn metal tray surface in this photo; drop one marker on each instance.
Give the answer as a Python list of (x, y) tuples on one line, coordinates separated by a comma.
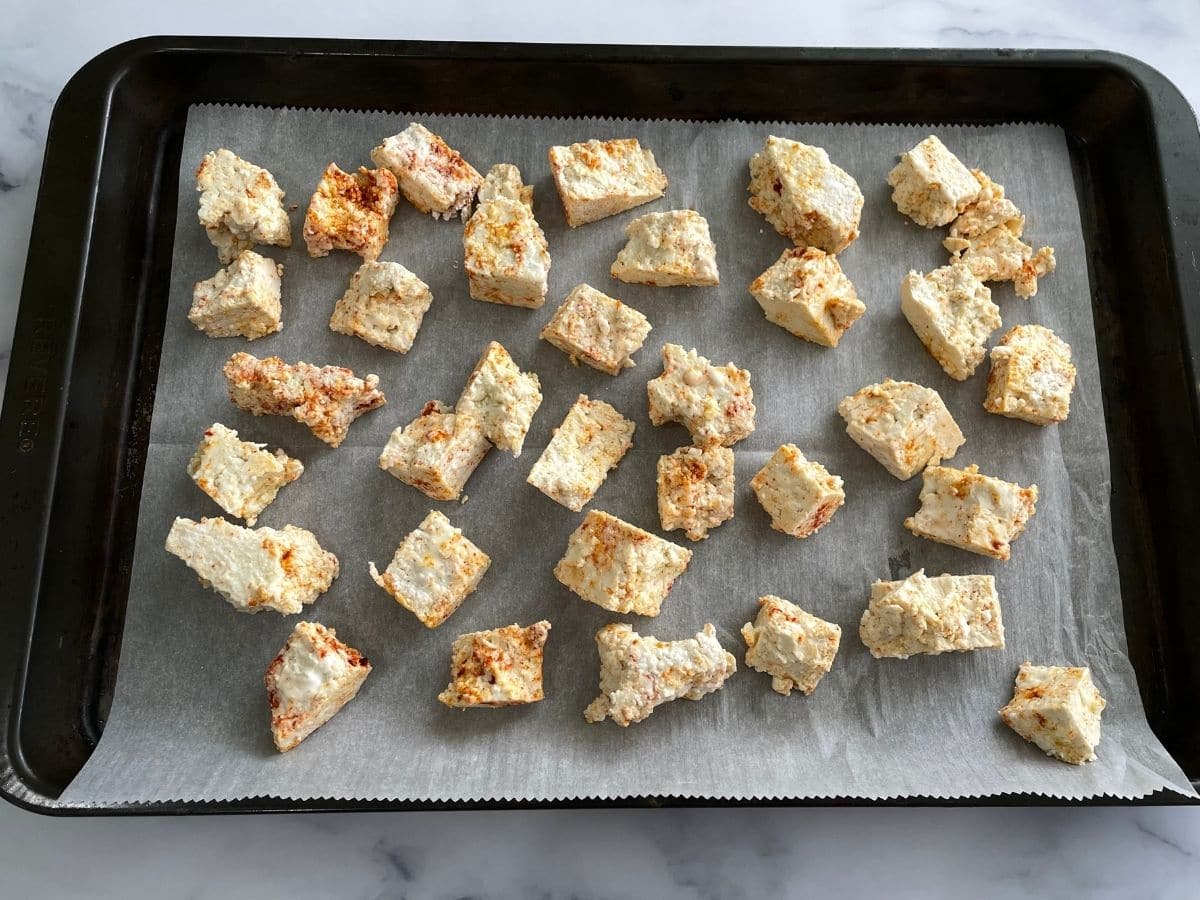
[(80, 390)]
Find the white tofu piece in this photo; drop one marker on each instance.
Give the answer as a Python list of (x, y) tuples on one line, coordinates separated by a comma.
[(597, 179), (953, 314), (921, 615), (668, 249), (804, 196), (501, 667), (436, 452), (930, 185), (434, 569), (597, 329), (619, 567), (326, 399), (241, 300), (242, 478), (351, 212), (792, 646), (502, 398), (504, 180), (798, 494), (806, 293), (639, 673), (383, 305), (433, 177), (240, 205), (1057, 708), (905, 426), (974, 512), (311, 678), (255, 568), (695, 490), (590, 442), (714, 403), (1032, 376), (505, 253)]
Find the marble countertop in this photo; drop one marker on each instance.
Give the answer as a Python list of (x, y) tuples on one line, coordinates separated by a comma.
[(600, 853)]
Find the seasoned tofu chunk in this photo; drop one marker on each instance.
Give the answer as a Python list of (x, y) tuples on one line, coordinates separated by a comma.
[(1057, 708), (922, 615), (504, 180), (668, 249), (953, 314), (350, 212), (502, 398), (241, 205), (695, 490), (639, 673), (326, 399), (714, 403), (597, 179), (313, 677), (906, 427), (1032, 376), (436, 452), (433, 177), (597, 329), (501, 667), (505, 253), (383, 305), (973, 512), (619, 567), (241, 300), (241, 477), (798, 494), (806, 293), (591, 440), (792, 646), (930, 185), (255, 568), (804, 196), (433, 571)]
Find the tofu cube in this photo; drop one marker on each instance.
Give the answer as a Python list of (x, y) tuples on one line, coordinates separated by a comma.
[(501, 667), (922, 615), (242, 478), (714, 403), (695, 490), (905, 426), (591, 440), (792, 646), (598, 330), (798, 494), (804, 196), (350, 212), (806, 293), (1057, 708), (436, 452), (953, 314), (597, 179), (241, 300), (619, 567), (505, 253), (930, 185), (433, 177), (502, 398), (240, 205), (311, 678), (668, 249), (1032, 376), (433, 571), (384, 306), (504, 180), (974, 512)]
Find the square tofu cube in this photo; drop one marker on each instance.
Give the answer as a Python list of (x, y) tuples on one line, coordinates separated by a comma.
[(695, 490), (970, 511), (619, 567), (714, 403), (433, 571), (383, 305), (350, 212), (1057, 708), (433, 177), (798, 494), (241, 477), (922, 615), (591, 440), (804, 196), (240, 205), (597, 179), (794, 647), (806, 293), (502, 398), (639, 673), (906, 427), (505, 253), (501, 667), (930, 185), (255, 568), (1032, 376), (313, 677), (241, 300), (436, 452), (668, 249), (597, 329), (953, 314)]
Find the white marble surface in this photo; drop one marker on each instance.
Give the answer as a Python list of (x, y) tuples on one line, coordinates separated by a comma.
[(581, 854)]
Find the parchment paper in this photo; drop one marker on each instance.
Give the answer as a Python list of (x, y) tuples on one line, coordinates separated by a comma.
[(189, 720)]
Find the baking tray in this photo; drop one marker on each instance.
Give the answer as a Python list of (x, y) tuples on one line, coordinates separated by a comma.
[(80, 390)]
